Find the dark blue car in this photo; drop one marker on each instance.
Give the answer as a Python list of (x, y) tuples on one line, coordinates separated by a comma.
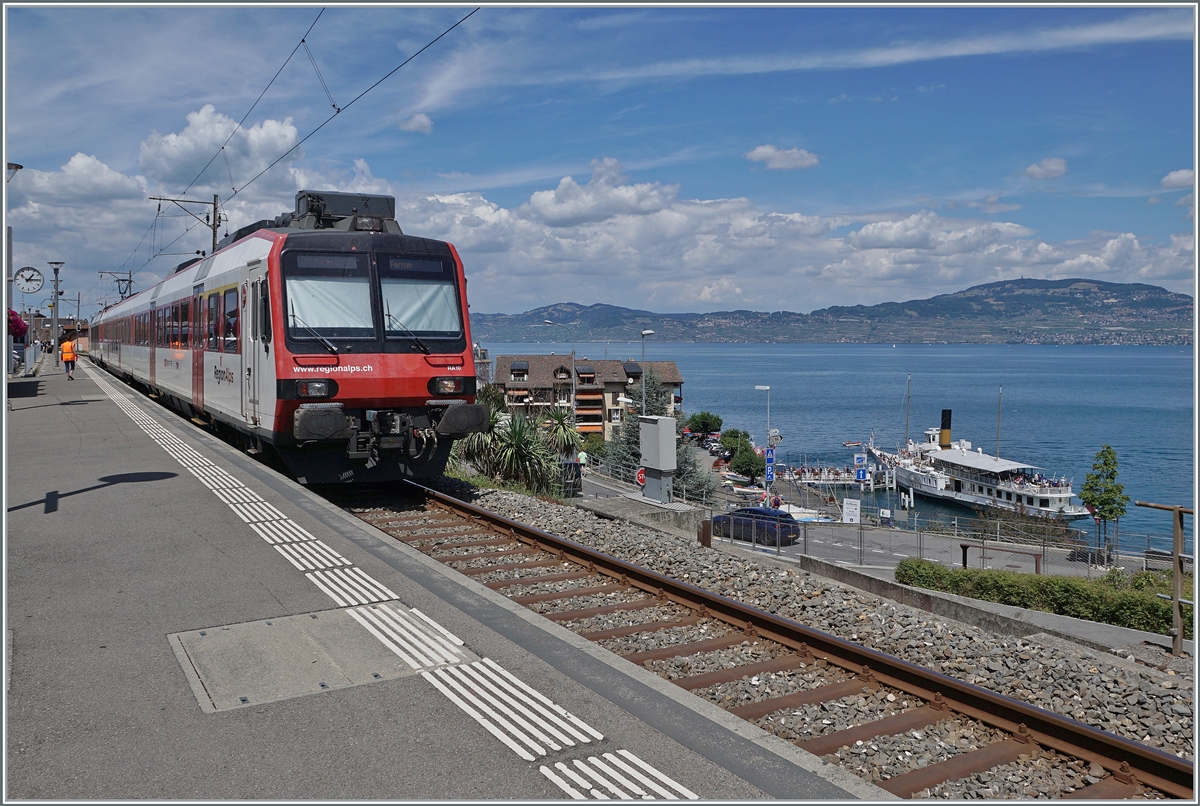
[(761, 525)]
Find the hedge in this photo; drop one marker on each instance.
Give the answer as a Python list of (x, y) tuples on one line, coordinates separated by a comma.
[(1063, 596)]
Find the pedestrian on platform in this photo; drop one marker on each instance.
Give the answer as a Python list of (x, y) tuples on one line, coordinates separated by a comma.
[(68, 356)]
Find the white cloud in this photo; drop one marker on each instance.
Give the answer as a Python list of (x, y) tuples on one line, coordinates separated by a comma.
[(176, 159), (609, 240), (419, 122), (1049, 168), (1183, 178), (788, 160), (604, 197)]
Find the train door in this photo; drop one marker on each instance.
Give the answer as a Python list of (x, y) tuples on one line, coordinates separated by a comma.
[(153, 338), (254, 354), (195, 343)]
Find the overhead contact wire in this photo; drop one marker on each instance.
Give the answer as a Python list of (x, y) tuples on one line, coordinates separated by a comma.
[(357, 97)]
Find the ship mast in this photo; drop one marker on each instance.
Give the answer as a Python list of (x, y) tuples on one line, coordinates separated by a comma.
[(999, 407), (907, 403)]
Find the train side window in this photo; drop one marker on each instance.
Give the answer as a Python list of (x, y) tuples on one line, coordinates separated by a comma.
[(213, 322), (230, 329), (185, 325), (264, 314), (175, 325)]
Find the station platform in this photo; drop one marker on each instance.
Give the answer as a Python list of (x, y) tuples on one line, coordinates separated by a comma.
[(184, 623)]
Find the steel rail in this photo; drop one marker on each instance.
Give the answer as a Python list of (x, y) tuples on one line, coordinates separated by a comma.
[(1152, 767)]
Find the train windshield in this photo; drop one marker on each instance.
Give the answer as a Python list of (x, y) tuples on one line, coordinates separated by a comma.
[(419, 297), (329, 296)]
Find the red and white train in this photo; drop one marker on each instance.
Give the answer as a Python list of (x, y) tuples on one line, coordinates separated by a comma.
[(326, 333)]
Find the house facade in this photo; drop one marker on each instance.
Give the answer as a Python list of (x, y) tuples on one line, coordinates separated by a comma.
[(532, 382)]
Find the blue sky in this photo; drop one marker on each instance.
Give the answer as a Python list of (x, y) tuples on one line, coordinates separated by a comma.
[(673, 159)]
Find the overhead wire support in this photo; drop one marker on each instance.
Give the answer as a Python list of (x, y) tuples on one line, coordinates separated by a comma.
[(320, 77), (428, 45), (214, 222)]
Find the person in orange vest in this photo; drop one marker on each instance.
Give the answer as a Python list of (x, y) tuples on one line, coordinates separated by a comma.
[(68, 356)]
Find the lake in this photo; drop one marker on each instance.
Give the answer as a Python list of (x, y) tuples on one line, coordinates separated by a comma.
[(1060, 404)]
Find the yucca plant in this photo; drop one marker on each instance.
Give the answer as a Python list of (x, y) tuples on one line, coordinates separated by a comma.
[(560, 431), (519, 453), (478, 448)]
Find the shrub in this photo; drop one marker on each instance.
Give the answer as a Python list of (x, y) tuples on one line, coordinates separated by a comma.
[(1113, 599)]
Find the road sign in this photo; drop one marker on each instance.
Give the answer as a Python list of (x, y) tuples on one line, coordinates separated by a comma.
[(641, 476), (769, 455), (860, 460), (770, 475), (860, 474)]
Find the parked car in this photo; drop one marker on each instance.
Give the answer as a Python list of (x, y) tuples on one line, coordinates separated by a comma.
[(762, 525)]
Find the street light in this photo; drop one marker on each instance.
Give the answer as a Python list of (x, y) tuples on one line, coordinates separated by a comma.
[(56, 265), (645, 333), (767, 389), (572, 332)]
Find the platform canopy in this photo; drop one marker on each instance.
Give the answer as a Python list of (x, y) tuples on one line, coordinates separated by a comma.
[(979, 461)]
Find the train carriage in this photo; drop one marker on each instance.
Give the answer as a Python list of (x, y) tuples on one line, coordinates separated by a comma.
[(326, 333)]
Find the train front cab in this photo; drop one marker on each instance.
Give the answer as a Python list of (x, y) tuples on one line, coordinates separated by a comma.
[(373, 375)]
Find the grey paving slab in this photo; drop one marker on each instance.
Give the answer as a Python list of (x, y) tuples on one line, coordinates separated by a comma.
[(118, 556)]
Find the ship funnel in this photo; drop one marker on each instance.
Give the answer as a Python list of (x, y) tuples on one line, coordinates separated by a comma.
[(944, 439)]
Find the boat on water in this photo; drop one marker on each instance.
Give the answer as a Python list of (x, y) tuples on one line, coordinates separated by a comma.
[(951, 471), (851, 444)]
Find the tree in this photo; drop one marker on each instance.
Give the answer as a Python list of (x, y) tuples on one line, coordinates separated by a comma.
[(732, 440), (692, 478), (1103, 494), (704, 423), (626, 453), (748, 463)]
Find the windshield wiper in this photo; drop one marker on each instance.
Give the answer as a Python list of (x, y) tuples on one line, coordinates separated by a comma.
[(420, 345), (326, 342)]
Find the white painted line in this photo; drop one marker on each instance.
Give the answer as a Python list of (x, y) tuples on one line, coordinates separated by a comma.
[(323, 585), (354, 614), (451, 636), (446, 677), (485, 685), (541, 709), (604, 782), (387, 633), (237, 495), (434, 644), (580, 780), (499, 712), (365, 579), (687, 793), (620, 779), (561, 784), (301, 564), (499, 734), (563, 712)]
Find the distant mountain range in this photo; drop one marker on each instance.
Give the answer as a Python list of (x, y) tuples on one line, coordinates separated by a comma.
[(1008, 312)]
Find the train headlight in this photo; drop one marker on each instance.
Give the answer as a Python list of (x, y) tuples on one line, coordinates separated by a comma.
[(452, 386), (315, 389)]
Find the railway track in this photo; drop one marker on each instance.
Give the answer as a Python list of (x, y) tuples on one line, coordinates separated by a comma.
[(852, 705)]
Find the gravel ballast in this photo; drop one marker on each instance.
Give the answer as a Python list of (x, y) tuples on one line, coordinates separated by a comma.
[(1138, 702)]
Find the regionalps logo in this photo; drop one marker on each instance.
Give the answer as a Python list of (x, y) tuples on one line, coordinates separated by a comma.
[(224, 375)]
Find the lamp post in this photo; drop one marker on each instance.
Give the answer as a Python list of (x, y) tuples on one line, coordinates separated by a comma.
[(645, 333), (8, 293), (56, 265), (767, 444), (572, 332)]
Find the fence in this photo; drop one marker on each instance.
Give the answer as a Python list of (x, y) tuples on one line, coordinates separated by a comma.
[(698, 493)]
